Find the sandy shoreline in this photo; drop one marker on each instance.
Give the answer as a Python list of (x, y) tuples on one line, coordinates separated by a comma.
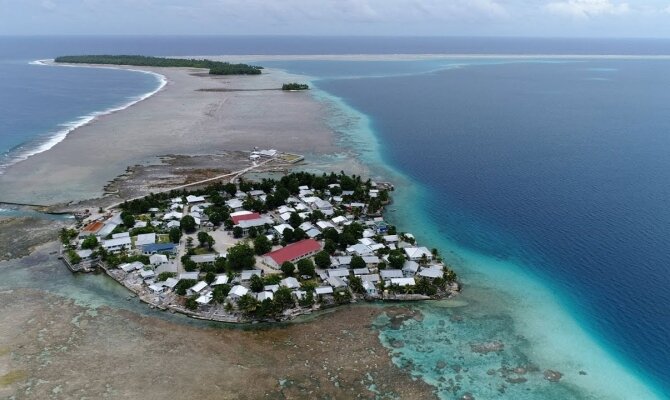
[(180, 119)]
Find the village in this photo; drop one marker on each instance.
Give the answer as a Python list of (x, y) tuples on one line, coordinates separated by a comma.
[(260, 251)]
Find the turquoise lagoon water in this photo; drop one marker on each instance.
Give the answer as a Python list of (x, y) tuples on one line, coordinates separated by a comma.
[(515, 293)]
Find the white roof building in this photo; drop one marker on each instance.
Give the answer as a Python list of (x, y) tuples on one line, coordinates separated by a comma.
[(147, 274), (339, 220), (247, 274), (280, 228), (145, 238), (264, 295), (336, 282), (157, 259), (403, 281), (173, 224), (391, 273), (221, 279), (205, 298), (290, 283), (338, 272), (172, 215), (188, 275), (417, 253), (360, 249), (116, 244), (170, 283), (237, 291), (198, 287), (324, 290), (431, 273), (120, 235), (234, 203), (324, 224)]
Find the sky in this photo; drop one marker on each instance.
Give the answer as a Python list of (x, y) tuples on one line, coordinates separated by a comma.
[(553, 18)]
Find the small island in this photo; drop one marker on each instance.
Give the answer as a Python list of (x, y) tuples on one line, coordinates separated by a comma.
[(260, 251), (215, 67), (294, 86)]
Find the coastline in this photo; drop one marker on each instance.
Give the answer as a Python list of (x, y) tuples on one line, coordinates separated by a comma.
[(81, 121), (178, 119)]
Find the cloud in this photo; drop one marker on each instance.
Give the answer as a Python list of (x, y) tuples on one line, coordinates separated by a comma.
[(585, 9)]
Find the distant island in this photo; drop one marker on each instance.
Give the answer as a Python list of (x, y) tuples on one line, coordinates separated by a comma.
[(294, 86), (215, 67)]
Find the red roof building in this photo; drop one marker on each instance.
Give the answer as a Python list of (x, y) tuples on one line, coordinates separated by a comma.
[(293, 252), (244, 217)]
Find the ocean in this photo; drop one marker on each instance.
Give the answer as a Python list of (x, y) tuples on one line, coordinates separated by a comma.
[(543, 180)]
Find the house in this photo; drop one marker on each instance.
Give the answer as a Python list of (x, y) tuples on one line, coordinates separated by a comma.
[(410, 268), (336, 282), (172, 215), (370, 288), (130, 267), (403, 282), (221, 279), (391, 239), (361, 271), (342, 261), (167, 267), (204, 258), (140, 224), (156, 288), (84, 254), (247, 274), (322, 205), (145, 238), (285, 209), (170, 283), (253, 223), (391, 273), (176, 200), (282, 227), (372, 278), (154, 248), (264, 295), (323, 225), (305, 226), (91, 229), (338, 272), (195, 199), (197, 288), (418, 253), (271, 288), (312, 233), (290, 283), (158, 259), (120, 235), (188, 275), (324, 290), (114, 245), (174, 224), (285, 216), (293, 252), (339, 220), (205, 298), (147, 274), (431, 273), (235, 204), (237, 291), (360, 249), (371, 260)]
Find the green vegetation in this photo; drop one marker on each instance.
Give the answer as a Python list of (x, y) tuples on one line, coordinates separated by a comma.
[(215, 67), (294, 86), (89, 243), (240, 257)]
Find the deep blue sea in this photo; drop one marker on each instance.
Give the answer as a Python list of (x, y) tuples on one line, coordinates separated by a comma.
[(545, 181)]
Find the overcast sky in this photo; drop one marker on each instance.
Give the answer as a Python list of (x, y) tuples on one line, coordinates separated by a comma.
[(591, 18)]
